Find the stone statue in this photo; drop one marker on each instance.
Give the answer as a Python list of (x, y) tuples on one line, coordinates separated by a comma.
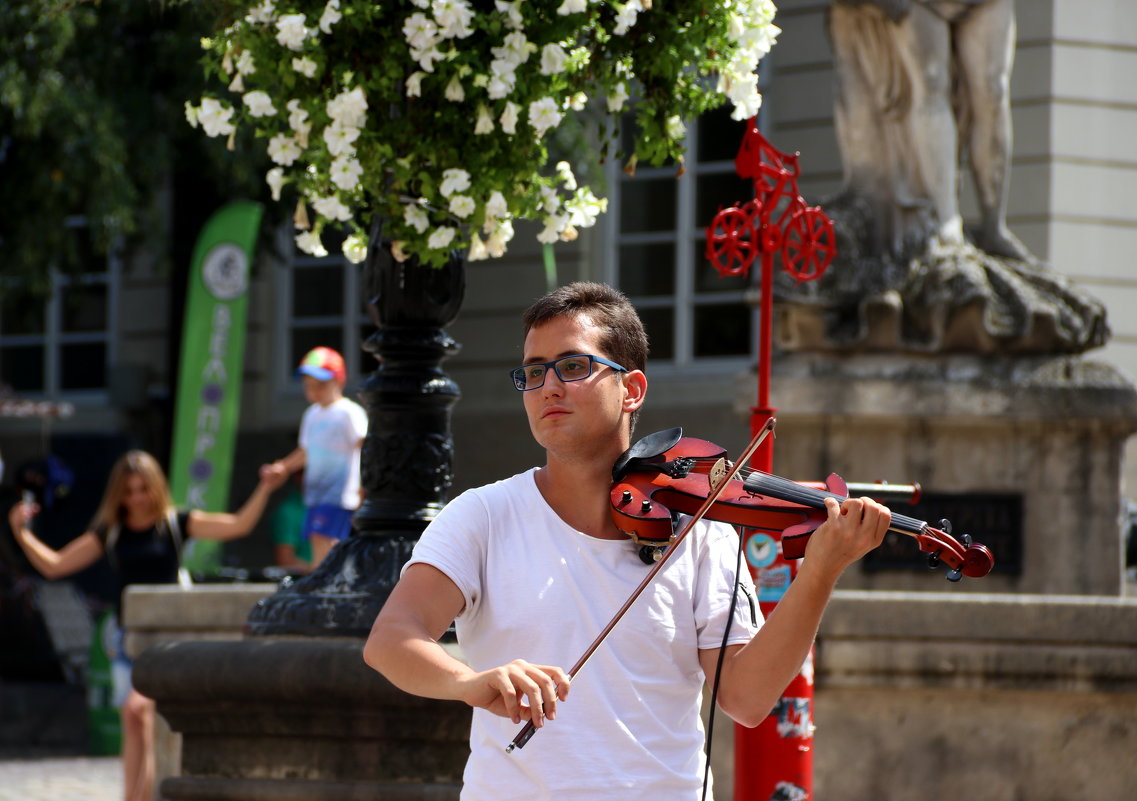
[(921, 83), (921, 87)]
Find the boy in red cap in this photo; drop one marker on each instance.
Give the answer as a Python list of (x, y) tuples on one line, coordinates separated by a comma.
[(331, 437)]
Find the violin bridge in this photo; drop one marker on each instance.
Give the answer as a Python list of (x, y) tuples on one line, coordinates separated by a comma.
[(718, 473)]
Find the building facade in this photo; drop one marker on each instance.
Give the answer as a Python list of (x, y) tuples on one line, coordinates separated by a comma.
[(105, 344)]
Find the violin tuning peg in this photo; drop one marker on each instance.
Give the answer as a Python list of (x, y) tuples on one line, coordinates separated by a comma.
[(945, 526), (933, 561), (966, 539), (955, 574)]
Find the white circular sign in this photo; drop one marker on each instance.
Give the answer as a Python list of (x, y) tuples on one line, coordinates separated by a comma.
[(225, 271)]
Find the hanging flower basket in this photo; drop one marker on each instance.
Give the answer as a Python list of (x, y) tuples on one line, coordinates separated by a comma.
[(435, 115)]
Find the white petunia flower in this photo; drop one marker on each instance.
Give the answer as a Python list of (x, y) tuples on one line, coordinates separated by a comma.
[(191, 114), (245, 64), (564, 172), (675, 127), (427, 56), (441, 238), (496, 207), (515, 49), (626, 16), (543, 115), (262, 13), (553, 58), (454, 91), (478, 250), (550, 202), (297, 121), (512, 13), (259, 104), (416, 218), (214, 117), (349, 108), (284, 150), (509, 118), (462, 206), (584, 208), (453, 18), (572, 7), (331, 207), (291, 31), (275, 179), (310, 243), (355, 248), (554, 224), (330, 16), (420, 31), (454, 180), (297, 116), (501, 85), (305, 66), (345, 172), (617, 98), (484, 124), (340, 139), (414, 84), (499, 238)]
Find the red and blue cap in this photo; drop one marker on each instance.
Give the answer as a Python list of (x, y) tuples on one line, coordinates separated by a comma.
[(323, 364)]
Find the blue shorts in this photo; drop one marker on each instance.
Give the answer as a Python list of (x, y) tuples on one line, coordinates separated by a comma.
[(328, 521)]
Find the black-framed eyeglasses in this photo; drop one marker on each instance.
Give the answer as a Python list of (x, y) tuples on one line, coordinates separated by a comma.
[(569, 368)]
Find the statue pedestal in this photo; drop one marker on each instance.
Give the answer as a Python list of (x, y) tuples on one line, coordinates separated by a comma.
[(1048, 431)]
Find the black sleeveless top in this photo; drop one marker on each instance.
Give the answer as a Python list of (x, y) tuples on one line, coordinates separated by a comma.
[(149, 556)]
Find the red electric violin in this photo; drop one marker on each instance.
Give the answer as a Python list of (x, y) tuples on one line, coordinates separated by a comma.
[(666, 472)]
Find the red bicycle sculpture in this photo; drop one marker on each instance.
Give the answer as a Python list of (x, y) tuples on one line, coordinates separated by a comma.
[(777, 220)]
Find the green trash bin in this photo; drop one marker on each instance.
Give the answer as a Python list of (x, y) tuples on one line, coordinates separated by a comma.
[(104, 727)]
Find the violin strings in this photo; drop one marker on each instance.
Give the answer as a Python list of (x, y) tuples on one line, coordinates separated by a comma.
[(789, 490)]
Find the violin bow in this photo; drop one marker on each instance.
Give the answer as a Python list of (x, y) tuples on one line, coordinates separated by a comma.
[(719, 481)]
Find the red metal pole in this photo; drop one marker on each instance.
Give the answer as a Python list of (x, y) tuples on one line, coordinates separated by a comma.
[(774, 760)]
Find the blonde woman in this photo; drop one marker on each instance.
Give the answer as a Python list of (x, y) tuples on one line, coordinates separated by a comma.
[(141, 533)]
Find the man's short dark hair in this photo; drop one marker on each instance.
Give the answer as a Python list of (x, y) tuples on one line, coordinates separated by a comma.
[(622, 335)]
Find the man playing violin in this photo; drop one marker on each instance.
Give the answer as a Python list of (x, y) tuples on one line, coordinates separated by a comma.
[(531, 569)]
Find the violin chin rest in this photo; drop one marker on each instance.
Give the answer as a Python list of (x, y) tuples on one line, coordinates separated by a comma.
[(646, 448)]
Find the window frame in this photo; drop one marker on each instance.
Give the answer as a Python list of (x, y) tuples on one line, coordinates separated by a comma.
[(684, 238), (54, 338), (284, 381)]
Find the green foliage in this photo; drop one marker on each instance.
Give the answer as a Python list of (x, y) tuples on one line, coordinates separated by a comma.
[(438, 116), (92, 125)]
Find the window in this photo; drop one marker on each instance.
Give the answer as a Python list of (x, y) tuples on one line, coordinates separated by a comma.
[(61, 345), (656, 239), (324, 307)]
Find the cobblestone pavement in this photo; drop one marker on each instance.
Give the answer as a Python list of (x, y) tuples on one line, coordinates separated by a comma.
[(61, 779)]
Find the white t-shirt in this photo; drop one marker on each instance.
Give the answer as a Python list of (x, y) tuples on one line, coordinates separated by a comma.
[(330, 436), (538, 590)]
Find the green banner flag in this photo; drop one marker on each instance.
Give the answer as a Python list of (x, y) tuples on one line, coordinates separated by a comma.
[(212, 362)]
